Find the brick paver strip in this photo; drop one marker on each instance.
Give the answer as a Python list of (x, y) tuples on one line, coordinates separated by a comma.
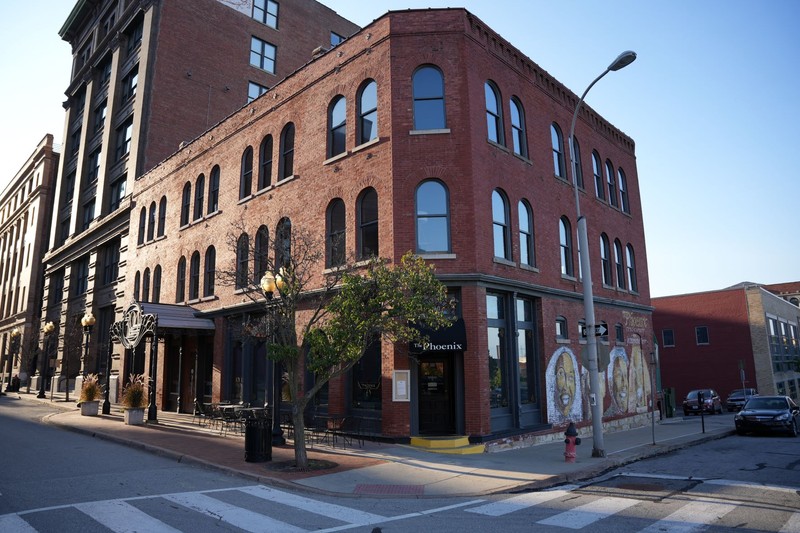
[(413, 490)]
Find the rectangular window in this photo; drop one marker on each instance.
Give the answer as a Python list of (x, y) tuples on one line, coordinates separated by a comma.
[(254, 90), (336, 38), (701, 334), (135, 37), (100, 117), (93, 167), (80, 273), (129, 84), (262, 55), (266, 12), (498, 352), (526, 356), (117, 192), (668, 337), (111, 263), (561, 328), (124, 135), (88, 214)]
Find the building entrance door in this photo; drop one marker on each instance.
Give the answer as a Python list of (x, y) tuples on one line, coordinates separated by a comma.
[(436, 395)]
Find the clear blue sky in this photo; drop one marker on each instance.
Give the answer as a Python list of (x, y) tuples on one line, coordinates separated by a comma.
[(712, 103)]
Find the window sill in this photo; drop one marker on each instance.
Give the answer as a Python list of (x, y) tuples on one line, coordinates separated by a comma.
[(562, 341), (529, 268), (209, 298), (436, 255), (429, 132), (336, 157), (367, 144), (286, 179), (568, 278), (498, 146), (522, 158), (503, 261)]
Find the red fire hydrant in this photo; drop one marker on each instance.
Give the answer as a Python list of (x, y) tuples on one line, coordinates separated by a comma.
[(572, 440)]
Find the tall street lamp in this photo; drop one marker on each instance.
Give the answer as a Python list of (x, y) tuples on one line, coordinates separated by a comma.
[(271, 284), (598, 449), (87, 322), (48, 329)]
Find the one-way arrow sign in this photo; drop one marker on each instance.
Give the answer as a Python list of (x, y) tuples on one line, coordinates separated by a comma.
[(600, 330)]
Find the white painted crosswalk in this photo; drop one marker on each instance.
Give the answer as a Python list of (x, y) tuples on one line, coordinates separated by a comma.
[(266, 509)]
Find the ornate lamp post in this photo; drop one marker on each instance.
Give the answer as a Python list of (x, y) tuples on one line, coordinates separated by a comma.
[(87, 322), (12, 354), (270, 284), (48, 329), (598, 449)]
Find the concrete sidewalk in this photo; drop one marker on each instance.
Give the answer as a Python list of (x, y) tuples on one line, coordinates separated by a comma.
[(380, 469)]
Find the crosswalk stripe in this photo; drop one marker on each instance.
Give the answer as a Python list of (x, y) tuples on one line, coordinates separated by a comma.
[(589, 513), (792, 525), (14, 522), (329, 510), (237, 516), (522, 501), (122, 517), (693, 516)]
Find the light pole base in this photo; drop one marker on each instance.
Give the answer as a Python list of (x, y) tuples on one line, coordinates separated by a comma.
[(598, 453)]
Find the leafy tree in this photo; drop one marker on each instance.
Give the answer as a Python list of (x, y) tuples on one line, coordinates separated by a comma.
[(324, 320)]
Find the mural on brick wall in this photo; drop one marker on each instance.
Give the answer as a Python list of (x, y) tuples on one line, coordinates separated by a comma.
[(564, 396), (639, 386), (587, 389), (617, 375)]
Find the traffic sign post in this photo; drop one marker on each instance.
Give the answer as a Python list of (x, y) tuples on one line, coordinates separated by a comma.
[(600, 330)]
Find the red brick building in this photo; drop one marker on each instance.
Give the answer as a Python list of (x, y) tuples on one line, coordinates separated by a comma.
[(147, 76), (424, 131), (740, 337)]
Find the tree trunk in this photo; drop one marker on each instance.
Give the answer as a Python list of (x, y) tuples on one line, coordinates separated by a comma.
[(300, 455)]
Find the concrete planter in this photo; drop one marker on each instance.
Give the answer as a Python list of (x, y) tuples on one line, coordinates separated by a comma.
[(90, 408), (134, 417)]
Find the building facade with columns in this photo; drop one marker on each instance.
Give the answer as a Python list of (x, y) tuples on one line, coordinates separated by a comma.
[(428, 132), (147, 76)]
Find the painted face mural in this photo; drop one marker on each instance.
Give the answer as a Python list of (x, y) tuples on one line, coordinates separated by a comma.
[(563, 388), (639, 381), (618, 381), (586, 386)]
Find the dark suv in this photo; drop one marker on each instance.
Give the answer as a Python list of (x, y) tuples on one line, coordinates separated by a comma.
[(711, 402), (738, 397)]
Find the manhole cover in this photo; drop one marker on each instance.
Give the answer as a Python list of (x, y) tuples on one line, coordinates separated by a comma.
[(638, 487), (641, 486)]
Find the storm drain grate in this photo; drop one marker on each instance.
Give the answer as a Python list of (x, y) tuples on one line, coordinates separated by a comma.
[(641, 487), (410, 490)]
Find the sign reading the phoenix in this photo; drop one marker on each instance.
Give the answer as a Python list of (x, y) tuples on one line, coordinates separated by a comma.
[(134, 325)]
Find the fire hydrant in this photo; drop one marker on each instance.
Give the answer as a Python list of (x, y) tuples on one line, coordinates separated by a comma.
[(571, 441)]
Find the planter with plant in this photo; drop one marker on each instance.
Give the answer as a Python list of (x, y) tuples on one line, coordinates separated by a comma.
[(91, 390), (134, 400)]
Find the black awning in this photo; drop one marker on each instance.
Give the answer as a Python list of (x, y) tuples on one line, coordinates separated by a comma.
[(453, 338)]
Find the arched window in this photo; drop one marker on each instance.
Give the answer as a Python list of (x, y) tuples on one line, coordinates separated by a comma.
[(283, 243), (578, 168), (612, 187), (633, 284), (186, 202), (335, 222), (137, 281), (286, 169), (619, 264), (265, 163), (157, 284), (500, 226), (557, 141), (242, 260), (194, 276), (433, 217), (527, 255), (199, 190), (151, 222), (180, 281), (494, 117), (337, 126), (213, 190), (624, 204), (597, 170), (162, 216), (565, 241), (518, 135), (146, 285), (605, 260), (246, 178), (210, 271), (428, 87), (261, 253), (368, 112), (142, 226), (562, 331), (368, 224)]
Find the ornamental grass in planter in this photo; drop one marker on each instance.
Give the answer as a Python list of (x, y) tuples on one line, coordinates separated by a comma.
[(91, 390), (134, 399)]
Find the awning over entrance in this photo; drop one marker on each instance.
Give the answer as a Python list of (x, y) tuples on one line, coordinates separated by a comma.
[(178, 317), (453, 338)]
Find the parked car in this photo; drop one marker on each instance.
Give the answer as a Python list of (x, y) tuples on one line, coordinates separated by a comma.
[(768, 413), (712, 403), (738, 397)]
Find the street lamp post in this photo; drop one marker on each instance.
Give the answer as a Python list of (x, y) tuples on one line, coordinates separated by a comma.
[(598, 449), (87, 322), (48, 329), (269, 285)]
